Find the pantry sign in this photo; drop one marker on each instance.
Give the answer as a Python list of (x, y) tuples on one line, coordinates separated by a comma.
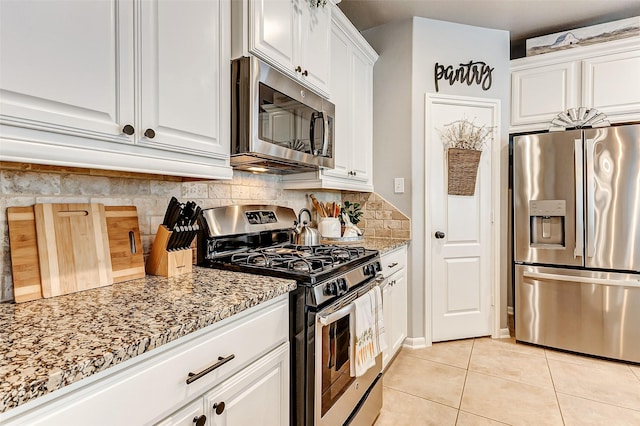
[(472, 72)]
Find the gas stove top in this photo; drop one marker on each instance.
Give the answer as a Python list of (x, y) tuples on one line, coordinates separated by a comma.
[(306, 264), (256, 239)]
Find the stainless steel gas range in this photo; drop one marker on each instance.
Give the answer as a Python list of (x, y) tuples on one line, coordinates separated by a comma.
[(256, 239)]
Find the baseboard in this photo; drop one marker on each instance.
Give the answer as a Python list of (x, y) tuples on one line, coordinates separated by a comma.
[(415, 343), (504, 333)]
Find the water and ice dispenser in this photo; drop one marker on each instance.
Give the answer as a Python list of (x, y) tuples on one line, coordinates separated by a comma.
[(547, 223)]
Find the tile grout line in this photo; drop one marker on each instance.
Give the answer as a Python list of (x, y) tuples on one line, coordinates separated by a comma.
[(555, 391), (464, 384)]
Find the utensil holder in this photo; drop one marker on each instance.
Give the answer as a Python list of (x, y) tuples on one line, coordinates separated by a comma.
[(168, 263), (329, 227)]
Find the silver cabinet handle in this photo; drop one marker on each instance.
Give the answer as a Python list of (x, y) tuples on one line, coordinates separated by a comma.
[(221, 361), (578, 154), (591, 193), (578, 279)]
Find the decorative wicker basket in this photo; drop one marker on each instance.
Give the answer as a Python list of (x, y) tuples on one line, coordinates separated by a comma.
[(463, 168)]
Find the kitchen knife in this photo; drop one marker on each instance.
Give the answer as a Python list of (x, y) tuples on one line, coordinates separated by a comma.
[(169, 213)]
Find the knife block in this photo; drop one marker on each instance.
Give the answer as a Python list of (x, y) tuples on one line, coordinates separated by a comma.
[(167, 263)]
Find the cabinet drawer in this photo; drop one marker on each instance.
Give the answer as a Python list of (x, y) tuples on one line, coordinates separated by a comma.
[(394, 261), (147, 390)]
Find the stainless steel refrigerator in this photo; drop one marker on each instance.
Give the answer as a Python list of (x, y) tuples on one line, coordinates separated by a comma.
[(576, 200)]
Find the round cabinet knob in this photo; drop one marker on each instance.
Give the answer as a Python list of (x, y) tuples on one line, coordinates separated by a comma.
[(439, 235), (219, 407), (200, 420), (305, 73), (149, 133), (298, 68), (128, 129)]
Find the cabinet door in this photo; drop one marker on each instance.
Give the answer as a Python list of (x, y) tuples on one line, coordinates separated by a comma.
[(361, 123), (387, 316), (184, 67), (259, 395), (273, 28), (539, 94), (186, 416), (315, 44), (399, 310), (340, 88), (67, 67), (611, 83)]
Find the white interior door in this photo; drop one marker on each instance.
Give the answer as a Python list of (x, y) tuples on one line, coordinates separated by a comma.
[(459, 259)]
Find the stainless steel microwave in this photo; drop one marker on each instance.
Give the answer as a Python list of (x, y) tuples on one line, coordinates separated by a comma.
[(277, 125)]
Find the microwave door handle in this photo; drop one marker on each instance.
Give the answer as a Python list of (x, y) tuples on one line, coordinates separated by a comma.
[(325, 133), (312, 132), (579, 199)]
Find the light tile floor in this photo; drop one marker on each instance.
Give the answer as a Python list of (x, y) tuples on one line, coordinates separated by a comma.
[(495, 382)]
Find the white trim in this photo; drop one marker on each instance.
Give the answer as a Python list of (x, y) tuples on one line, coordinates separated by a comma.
[(495, 214), (503, 334), (415, 343)]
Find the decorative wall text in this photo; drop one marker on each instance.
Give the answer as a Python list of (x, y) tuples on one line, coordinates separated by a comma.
[(469, 73)]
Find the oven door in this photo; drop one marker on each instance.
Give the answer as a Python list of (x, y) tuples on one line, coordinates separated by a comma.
[(337, 393)]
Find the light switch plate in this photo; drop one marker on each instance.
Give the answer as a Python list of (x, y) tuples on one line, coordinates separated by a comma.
[(398, 185)]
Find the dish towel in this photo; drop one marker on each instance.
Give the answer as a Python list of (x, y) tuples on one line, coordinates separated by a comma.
[(369, 336)]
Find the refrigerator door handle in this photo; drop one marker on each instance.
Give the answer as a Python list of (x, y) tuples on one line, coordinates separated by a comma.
[(591, 192), (579, 177), (575, 278)]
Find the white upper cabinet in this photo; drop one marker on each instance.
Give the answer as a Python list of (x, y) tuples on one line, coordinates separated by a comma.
[(611, 83), (128, 85), (602, 76), (352, 61), (540, 93), (293, 36), (67, 66), (183, 77)]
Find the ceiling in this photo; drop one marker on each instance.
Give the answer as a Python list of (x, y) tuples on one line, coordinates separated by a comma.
[(523, 18)]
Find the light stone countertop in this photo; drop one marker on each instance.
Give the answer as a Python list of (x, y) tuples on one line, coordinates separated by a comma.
[(384, 245), (50, 343)]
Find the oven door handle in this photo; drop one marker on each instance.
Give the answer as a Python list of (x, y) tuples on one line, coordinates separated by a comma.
[(335, 316)]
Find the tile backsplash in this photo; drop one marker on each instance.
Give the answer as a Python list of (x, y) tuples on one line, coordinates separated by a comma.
[(25, 185)]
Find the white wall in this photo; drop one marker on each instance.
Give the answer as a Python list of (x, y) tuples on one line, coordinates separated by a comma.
[(408, 52)]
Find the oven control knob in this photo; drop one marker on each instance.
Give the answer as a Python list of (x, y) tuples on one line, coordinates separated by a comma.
[(366, 269), (378, 267), (330, 289), (342, 285)]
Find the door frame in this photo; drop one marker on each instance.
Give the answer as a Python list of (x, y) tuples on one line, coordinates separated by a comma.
[(432, 99)]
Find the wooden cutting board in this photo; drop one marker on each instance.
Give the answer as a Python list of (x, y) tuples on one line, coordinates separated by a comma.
[(73, 247), (125, 244), (24, 254)]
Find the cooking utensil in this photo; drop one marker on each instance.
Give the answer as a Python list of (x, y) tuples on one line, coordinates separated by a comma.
[(318, 206), (73, 247)]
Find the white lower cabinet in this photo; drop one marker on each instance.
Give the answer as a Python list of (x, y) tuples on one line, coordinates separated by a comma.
[(152, 388), (258, 395), (394, 297)]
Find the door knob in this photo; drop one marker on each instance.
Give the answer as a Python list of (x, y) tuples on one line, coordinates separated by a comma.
[(439, 235)]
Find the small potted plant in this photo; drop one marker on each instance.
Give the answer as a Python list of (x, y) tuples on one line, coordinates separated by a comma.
[(353, 212), (464, 142)]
